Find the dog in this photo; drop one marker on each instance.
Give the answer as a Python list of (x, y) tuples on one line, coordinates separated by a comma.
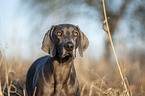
[(54, 74)]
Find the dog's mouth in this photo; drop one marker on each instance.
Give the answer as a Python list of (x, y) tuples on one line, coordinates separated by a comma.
[(67, 57)]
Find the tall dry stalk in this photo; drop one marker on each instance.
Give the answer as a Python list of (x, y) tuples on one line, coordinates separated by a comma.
[(34, 91), (122, 74), (83, 88), (6, 75), (91, 89), (1, 60), (140, 78), (1, 94), (24, 93)]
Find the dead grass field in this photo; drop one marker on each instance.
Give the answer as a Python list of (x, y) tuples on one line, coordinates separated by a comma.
[(96, 78)]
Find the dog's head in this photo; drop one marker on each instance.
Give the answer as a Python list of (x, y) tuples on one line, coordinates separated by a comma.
[(63, 40)]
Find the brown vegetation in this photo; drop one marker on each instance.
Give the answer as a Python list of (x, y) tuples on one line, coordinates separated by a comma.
[(96, 78)]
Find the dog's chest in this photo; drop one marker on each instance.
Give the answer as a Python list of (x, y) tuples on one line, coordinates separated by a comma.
[(58, 82), (61, 72), (48, 86)]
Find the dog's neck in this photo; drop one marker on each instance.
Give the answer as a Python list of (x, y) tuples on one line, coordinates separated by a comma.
[(62, 69), (62, 72), (62, 61)]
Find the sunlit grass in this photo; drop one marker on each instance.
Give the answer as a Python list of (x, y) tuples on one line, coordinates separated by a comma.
[(96, 78)]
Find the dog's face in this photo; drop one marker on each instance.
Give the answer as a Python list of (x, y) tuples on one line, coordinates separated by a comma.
[(66, 39), (63, 40)]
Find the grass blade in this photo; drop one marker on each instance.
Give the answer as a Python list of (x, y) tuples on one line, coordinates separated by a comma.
[(117, 62)]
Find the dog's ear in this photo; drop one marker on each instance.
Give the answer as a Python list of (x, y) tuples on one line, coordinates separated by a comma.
[(83, 42), (48, 45)]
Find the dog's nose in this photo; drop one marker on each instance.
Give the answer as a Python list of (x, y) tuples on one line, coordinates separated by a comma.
[(69, 46)]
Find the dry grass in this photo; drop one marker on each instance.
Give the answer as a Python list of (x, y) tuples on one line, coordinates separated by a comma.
[(96, 78)]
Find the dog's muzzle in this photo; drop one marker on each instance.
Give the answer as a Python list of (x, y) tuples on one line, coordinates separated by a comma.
[(69, 46), (68, 51)]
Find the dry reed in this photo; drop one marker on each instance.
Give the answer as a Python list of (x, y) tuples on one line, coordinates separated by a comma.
[(6, 75), (122, 74), (1, 94), (34, 91)]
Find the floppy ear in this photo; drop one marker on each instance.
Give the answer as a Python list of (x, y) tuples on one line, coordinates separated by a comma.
[(83, 42), (48, 45)]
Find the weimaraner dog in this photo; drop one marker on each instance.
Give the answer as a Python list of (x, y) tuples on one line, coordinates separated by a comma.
[(54, 74)]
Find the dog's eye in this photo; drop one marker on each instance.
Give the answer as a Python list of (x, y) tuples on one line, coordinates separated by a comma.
[(59, 33), (75, 33)]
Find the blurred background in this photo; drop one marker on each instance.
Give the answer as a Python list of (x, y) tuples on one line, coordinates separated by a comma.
[(23, 24)]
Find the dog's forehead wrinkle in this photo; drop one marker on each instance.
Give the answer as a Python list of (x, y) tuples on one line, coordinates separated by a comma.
[(67, 33), (67, 29), (64, 29)]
